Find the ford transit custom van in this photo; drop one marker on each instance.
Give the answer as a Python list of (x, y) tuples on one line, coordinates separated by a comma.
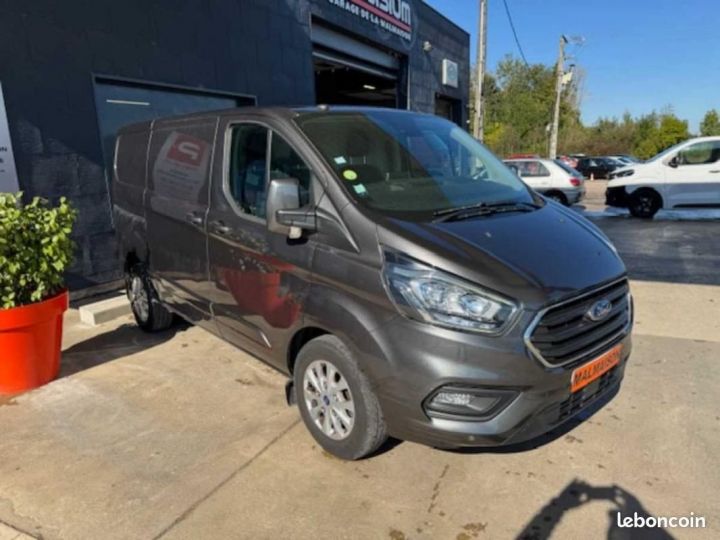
[(405, 280)]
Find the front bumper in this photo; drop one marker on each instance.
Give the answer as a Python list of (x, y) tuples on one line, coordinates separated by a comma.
[(574, 196), (425, 358)]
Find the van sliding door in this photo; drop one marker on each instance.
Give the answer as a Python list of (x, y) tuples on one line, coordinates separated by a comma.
[(178, 182)]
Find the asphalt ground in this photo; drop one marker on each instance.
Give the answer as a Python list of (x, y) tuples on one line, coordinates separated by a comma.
[(674, 247)]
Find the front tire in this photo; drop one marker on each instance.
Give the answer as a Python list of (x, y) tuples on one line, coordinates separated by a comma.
[(150, 314), (644, 203), (336, 401)]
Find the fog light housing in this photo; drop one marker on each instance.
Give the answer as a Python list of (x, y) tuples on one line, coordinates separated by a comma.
[(467, 403)]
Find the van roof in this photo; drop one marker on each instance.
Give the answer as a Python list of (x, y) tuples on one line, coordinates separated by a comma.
[(284, 113)]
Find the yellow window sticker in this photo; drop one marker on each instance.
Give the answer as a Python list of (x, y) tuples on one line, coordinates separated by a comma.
[(350, 175)]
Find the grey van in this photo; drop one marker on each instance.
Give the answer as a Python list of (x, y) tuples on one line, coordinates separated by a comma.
[(406, 281)]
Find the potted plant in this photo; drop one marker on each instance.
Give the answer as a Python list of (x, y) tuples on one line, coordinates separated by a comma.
[(35, 250)]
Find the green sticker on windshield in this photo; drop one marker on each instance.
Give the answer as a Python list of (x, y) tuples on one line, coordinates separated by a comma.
[(349, 175)]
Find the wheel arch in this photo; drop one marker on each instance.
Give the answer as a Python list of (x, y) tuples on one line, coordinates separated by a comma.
[(639, 188), (299, 340), (558, 192)]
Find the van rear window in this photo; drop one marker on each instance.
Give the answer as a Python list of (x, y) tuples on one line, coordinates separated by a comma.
[(130, 157)]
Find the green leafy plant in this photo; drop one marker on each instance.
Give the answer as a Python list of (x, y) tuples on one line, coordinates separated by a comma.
[(35, 249)]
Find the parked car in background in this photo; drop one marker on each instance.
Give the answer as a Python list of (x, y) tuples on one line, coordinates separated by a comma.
[(625, 159), (596, 167), (568, 160), (619, 163), (552, 178), (686, 175), (522, 156), (399, 274)]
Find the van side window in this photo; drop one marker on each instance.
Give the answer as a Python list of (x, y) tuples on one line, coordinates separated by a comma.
[(248, 168), (286, 163), (699, 153)]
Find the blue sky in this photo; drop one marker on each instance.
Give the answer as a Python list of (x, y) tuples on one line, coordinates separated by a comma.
[(639, 55)]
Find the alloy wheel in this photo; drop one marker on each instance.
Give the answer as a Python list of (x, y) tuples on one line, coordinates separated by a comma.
[(139, 298), (329, 400)]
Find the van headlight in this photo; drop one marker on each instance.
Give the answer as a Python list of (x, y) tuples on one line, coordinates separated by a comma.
[(427, 294)]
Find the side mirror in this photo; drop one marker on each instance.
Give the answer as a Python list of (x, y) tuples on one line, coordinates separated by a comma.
[(284, 215), (674, 162)]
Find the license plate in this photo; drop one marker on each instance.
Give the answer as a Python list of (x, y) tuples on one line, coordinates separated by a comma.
[(594, 369)]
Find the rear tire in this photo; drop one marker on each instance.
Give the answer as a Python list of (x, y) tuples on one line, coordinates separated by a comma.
[(644, 203), (558, 196), (336, 400), (149, 312)]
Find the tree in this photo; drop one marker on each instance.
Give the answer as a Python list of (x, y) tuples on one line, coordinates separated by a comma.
[(710, 124), (656, 132), (518, 107), (518, 101)]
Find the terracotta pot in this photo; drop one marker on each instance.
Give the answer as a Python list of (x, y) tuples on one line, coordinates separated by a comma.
[(30, 340)]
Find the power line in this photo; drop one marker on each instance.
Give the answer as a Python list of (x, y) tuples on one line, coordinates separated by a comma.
[(512, 27)]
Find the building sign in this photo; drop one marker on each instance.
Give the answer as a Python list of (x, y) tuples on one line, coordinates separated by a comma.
[(395, 16), (8, 175), (449, 73)]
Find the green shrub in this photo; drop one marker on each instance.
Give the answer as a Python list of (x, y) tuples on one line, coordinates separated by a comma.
[(35, 249)]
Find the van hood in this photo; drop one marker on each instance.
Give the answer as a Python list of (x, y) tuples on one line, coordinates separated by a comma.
[(535, 257)]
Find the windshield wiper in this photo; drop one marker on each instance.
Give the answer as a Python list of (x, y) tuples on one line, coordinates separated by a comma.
[(482, 209)]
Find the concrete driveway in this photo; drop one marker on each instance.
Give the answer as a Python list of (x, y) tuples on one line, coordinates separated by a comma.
[(178, 435)]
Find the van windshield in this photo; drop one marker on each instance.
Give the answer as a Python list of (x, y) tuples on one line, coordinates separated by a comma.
[(666, 152), (410, 165)]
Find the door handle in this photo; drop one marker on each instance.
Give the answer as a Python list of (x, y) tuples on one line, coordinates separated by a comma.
[(194, 218), (220, 227), (715, 171)]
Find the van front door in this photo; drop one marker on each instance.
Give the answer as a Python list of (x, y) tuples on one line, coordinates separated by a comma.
[(258, 277), (694, 181)]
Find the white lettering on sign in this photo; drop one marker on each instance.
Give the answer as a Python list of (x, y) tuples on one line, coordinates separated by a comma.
[(8, 174), (395, 16), (190, 149)]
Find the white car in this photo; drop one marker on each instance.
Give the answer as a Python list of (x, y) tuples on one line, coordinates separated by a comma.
[(553, 178), (686, 175)]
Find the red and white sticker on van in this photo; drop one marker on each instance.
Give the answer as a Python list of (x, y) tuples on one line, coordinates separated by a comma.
[(180, 170)]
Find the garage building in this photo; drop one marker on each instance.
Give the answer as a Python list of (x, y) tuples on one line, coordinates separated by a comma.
[(73, 72)]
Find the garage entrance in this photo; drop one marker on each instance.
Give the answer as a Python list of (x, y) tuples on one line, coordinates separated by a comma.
[(449, 108), (120, 103), (349, 71)]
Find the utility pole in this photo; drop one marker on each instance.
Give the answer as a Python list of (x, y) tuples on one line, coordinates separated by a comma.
[(559, 75), (479, 127)]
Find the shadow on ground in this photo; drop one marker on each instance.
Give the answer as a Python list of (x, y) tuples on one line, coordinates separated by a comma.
[(122, 341), (578, 493)]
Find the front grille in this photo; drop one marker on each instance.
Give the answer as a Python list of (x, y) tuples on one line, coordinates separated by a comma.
[(563, 334), (582, 398)]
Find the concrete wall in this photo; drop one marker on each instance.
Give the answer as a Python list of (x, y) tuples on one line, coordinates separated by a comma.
[(52, 50)]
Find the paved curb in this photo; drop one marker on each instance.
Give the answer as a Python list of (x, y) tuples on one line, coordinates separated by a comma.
[(104, 311)]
